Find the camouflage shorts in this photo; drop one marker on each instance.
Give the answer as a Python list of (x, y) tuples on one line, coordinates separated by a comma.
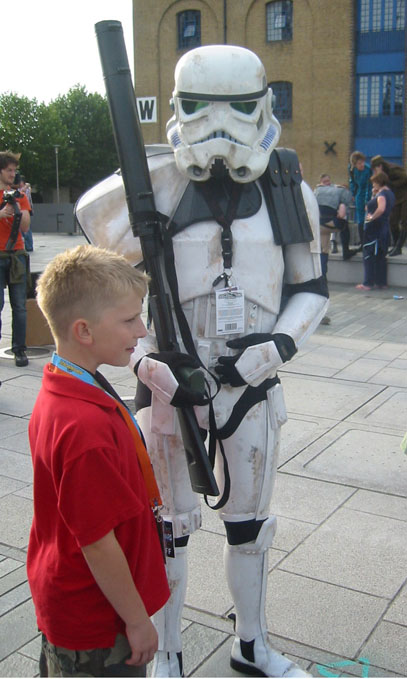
[(56, 661)]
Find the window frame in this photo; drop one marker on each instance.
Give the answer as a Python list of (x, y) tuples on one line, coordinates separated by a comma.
[(380, 95), (186, 18), (276, 10), (283, 94), (382, 15)]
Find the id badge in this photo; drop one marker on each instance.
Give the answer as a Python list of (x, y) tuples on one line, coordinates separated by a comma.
[(229, 311)]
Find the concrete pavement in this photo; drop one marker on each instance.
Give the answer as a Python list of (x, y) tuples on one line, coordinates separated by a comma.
[(337, 599)]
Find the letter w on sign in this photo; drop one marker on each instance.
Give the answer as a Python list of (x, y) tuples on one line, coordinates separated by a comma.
[(147, 109)]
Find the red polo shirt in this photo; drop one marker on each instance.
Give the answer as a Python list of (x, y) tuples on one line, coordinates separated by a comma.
[(87, 482)]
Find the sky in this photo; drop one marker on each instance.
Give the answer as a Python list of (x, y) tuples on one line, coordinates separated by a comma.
[(52, 46)]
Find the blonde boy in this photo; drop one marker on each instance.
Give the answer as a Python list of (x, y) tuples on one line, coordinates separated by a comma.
[(94, 563)]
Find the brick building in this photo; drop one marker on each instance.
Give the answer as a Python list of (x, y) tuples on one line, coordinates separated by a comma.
[(337, 68)]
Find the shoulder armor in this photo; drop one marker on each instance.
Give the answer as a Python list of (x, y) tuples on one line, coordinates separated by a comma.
[(281, 184), (102, 213)]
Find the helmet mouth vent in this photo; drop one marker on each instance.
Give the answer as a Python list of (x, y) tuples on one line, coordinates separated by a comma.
[(220, 134)]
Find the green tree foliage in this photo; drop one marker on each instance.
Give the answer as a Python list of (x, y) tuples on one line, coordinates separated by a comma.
[(78, 123), (89, 132)]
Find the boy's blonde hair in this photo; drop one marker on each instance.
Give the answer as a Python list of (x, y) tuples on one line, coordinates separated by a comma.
[(82, 283)]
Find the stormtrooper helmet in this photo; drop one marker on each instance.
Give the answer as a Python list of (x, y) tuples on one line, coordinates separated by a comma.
[(222, 112)]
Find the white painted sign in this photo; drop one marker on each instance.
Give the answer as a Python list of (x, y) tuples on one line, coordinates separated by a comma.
[(147, 109)]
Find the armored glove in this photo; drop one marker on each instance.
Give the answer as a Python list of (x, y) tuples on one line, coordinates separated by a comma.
[(173, 377), (259, 357)]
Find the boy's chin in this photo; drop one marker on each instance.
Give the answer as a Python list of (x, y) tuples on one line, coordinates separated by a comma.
[(120, 362)]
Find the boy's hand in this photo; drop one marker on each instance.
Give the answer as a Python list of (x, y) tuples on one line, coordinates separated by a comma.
[(143, 640)]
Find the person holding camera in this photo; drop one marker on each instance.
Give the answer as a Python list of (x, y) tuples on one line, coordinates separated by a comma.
[(14, 220)]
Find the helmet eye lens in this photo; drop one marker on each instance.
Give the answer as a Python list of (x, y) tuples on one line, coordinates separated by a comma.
[(244, 106), (189, 106)]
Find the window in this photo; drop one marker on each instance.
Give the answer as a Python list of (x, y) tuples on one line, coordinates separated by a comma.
[(282, 106), (382, 15), (189, 29), (381, 95), (279, 16)]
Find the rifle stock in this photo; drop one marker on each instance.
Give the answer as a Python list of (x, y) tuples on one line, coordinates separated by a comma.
[(146, 225)]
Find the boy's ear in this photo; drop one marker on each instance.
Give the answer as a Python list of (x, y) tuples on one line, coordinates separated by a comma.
[(81, 331)]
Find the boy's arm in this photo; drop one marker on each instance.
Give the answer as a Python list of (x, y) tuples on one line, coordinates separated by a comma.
[(110, 569)]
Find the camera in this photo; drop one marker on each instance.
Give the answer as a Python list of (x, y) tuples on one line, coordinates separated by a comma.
[(10, 196)]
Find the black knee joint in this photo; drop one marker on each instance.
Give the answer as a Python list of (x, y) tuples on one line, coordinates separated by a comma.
[(240, 532)]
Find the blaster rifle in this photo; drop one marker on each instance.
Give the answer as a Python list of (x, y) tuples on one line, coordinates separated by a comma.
[(146, 224)]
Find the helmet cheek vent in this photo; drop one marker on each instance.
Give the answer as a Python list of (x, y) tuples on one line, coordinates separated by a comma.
[(268, 138), (175, 139)]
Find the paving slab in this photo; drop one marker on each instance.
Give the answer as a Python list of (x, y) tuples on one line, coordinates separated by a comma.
[(13, 553), (15, 402), (397, 612), (363, 370), (17, 665), (306, 499), (198, 643), (14, 597), (317, 397), (211, 520), (18, 442), (356, 550), (385, 410), (299, 432), (16, 517), (8, 485), (26, 492), (15, 466), (391, 376), (378, 503), (329, 357), (32, 649), (354, 455), (10, 425), (362, 346), (387, 647), (321, 615), (206, 592), (7, 566), (290, 533), (218, 663), (387, 350), (21, 628), (9, 579)]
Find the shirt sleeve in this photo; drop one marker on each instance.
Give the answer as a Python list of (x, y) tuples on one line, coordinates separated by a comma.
[(95, 497), (24, 203)]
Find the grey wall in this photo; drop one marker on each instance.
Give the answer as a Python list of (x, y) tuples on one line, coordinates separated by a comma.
[(53, 218)]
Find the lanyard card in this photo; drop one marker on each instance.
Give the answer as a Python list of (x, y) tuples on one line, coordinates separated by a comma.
[(229, 311)]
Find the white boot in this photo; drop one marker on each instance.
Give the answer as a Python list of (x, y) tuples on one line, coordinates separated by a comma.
[(257, 658), (167, 664), (168, 659), (246, 573)]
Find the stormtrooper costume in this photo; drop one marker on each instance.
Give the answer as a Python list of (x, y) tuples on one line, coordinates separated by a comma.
[(232, 276)]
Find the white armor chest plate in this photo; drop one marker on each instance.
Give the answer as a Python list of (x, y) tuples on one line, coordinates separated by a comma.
[(199, 261)]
